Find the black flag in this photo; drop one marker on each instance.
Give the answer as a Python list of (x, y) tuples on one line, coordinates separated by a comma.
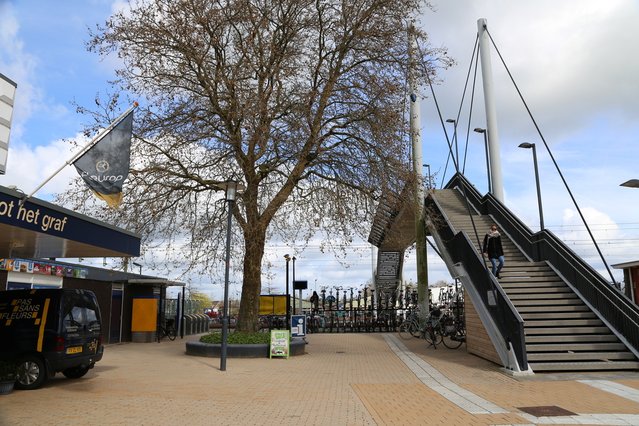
[(105, 166)]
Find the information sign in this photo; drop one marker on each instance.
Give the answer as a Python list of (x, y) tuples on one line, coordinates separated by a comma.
[(298, 325)]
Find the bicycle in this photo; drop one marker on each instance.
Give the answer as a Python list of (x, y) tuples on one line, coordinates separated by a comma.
[(410, 327), (432, 331), (453, 331), (167, 330)]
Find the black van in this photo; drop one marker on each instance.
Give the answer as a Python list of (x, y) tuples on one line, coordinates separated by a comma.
[(49, 330)]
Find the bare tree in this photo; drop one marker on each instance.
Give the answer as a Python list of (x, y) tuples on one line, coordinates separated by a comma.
[(301, 101)]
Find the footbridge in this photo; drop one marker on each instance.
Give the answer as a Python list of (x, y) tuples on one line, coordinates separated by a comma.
[(549, 311)]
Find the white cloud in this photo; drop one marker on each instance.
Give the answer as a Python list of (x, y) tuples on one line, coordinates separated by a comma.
[(29, 166)]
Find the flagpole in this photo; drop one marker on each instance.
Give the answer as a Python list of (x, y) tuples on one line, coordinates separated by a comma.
[(79, 154)]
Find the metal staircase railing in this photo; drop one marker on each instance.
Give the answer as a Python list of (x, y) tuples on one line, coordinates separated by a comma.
[(610, 303)]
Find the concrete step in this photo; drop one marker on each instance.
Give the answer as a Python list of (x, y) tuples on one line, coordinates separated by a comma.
[(557, 315), (552, 309), (566, 339), (575, 347), (546, 296), (565, 331), (581, 356), (589, 322), (584, 366)]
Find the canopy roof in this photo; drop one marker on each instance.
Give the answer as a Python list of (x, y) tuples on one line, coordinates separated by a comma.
[(38, 229)]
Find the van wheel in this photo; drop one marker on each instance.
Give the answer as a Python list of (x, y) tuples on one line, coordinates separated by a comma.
[(75, 372), (32, 373)]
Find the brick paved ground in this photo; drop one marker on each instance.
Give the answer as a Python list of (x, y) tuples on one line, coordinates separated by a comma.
[(344, 379)]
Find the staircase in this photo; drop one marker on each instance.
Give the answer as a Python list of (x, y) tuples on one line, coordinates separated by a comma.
[(562, 333)]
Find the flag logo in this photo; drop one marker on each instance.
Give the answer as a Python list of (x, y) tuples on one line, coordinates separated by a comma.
[(105, 166)]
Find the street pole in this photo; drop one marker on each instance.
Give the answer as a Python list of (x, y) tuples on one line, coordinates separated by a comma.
[(231, 188), (480, 130), (527, 145), (288, 314)]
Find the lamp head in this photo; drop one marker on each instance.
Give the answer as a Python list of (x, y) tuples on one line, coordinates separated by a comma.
[(632, 183), (450, 120), (479, 130), (287, 257), (526, 145)]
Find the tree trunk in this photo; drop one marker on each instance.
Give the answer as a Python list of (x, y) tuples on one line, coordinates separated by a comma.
[(255, 239)]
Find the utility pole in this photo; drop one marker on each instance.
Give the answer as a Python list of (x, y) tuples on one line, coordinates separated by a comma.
[(416, 140)]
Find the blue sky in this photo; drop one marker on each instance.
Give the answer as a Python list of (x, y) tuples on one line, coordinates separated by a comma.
[(573, 60)]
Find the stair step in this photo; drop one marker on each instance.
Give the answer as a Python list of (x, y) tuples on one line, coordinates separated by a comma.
[(547, 296), (596, 322), (520, 283), (581, 356), (543, 309), (579, 338), (511, 290), (575, 347), (551, 306), (565, 330), (556, 315), (584, 366)]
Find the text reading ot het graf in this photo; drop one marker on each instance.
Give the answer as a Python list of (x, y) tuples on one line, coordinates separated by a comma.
[(23, 214)]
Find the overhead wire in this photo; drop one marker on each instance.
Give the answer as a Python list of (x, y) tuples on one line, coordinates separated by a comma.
[(552, 157)]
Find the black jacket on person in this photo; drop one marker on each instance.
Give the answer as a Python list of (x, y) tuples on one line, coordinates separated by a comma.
[(492, 246)]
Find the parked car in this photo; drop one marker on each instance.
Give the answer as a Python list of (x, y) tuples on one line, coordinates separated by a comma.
[(47, 331)]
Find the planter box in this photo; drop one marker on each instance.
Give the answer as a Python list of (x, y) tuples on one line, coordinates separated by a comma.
[(240, 351)]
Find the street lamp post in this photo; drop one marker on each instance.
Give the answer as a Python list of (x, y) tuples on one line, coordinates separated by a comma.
[(527, 145), (451, 120), (288, 313), (428, 182), (138, 265), (480, 130), (231, 190), (294, 304)]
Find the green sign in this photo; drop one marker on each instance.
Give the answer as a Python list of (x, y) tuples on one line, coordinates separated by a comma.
[(279, 343)]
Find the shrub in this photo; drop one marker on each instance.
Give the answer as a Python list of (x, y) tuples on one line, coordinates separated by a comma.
[(241, 338)]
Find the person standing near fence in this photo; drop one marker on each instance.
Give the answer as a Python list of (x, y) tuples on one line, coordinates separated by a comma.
[(314, 302), (493, 248)]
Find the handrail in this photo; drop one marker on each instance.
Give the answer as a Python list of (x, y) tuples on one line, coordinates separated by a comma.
[(503, 314), (610, 303)]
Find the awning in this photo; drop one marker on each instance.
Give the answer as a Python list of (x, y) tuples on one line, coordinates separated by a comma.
[(39, 229)]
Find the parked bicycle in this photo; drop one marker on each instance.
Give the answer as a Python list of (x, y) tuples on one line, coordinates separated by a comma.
[(453, 331), (167, 329)]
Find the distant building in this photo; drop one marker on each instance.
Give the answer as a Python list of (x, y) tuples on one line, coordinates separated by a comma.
[(630, 278)]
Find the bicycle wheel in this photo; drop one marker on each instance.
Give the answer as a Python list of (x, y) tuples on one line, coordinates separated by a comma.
[(432, 336), (453, 339), (405, 330), (171, 333)]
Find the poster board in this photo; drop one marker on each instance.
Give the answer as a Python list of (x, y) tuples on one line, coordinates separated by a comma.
[(272, 304), (280, 344)]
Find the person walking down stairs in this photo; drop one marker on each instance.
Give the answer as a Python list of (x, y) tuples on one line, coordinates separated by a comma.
[(492, 247)]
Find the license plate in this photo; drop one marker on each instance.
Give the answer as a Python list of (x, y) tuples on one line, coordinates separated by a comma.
[(74, 350)]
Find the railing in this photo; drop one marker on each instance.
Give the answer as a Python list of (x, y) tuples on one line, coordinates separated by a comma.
[(503, 314), (611, 304)]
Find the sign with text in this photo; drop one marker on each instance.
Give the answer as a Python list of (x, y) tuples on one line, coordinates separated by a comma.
[(280, 344), (44, 218), (298, 325)]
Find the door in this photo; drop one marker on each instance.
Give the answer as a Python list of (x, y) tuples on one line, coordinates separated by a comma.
[(117, 293)]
